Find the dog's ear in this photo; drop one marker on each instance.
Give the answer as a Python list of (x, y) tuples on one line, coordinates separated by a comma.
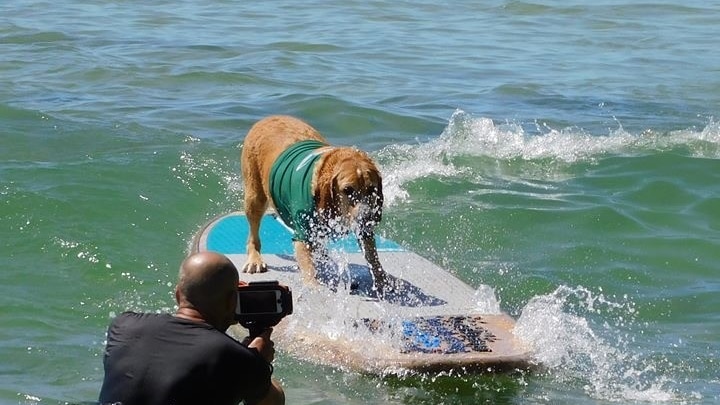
[(333, 191), (326, 194)]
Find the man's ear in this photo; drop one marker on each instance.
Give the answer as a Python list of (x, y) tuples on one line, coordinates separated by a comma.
[(232, 301)]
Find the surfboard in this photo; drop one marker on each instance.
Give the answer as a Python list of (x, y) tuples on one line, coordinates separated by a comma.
[(432, 321)]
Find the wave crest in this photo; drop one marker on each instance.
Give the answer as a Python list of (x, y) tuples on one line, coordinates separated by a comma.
[(477, 148)]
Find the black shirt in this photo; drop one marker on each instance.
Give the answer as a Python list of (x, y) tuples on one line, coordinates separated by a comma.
[(159, 359)]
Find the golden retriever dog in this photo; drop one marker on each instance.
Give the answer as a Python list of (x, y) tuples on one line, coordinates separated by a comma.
[(318, 190)]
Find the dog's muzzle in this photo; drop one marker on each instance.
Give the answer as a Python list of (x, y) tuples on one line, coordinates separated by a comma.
[(367, 217)]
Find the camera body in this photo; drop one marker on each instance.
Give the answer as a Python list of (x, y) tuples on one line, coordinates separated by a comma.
[(262, 304)]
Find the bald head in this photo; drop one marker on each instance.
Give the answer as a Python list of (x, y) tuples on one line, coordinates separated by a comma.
[(206, 283)]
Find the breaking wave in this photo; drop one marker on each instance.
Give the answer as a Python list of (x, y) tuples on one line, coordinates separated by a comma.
[(476, 147)]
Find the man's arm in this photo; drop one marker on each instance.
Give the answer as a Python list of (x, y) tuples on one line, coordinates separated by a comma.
[(274, 396), (266, 348), (264, 345)]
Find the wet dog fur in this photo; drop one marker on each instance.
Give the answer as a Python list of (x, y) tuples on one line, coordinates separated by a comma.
[(346, 189)]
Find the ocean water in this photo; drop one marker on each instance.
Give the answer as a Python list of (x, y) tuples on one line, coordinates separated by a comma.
[(563, 157)]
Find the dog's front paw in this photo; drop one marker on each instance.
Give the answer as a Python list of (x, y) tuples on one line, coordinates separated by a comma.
[(254, 267), (382, 284)]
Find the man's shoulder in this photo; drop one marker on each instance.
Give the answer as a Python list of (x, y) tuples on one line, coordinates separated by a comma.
[(131, 316), (130, 320), (160, 325)]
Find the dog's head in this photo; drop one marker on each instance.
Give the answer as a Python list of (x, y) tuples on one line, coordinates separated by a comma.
[(354, 193)]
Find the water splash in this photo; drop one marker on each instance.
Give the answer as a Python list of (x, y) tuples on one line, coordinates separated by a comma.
[(202, 172), (558, 328), (486, 302), (82, 251), (352, 332)]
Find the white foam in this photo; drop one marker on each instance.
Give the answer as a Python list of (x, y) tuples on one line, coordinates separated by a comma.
[(557, 328), (547, 155), (486, 301)]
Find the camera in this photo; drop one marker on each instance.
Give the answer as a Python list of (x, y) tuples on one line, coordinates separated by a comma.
[(262, 304)]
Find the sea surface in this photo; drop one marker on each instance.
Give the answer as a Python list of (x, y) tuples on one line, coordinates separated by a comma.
[(562, 155)]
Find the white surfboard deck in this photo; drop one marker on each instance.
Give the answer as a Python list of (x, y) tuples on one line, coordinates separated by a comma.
[(431, 322)]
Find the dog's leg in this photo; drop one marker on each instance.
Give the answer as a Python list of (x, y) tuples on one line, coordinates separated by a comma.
[(371, 256), (255, 263), (256, 203), (304, 258)]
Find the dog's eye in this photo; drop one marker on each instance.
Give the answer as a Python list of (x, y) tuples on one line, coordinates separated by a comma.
[(348, 191)]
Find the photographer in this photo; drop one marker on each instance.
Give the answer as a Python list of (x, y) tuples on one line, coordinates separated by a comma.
[(187, 358)]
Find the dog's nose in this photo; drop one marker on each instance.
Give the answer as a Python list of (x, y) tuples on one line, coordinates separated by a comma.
[(366, 215)]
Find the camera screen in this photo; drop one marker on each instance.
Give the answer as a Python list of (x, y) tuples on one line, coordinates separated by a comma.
[(258, 302)]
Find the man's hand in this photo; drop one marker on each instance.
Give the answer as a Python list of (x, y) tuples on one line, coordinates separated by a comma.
[(264, 345)]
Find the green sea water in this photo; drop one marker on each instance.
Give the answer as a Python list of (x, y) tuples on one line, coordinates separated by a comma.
[(562, 158)]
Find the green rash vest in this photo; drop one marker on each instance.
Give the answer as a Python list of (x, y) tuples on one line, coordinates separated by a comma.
[(291, 186)]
